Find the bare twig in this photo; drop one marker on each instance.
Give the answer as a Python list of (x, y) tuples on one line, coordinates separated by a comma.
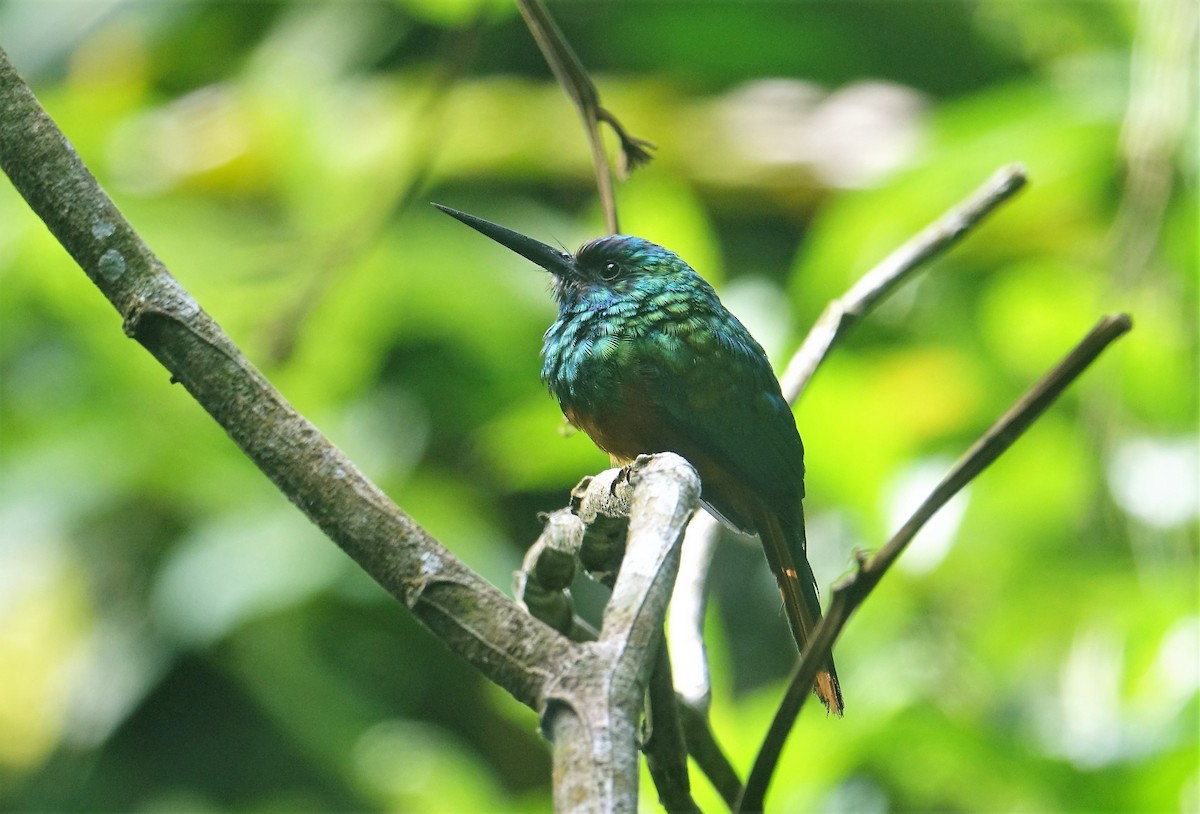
[(685, 619), (635, 152), (570, 73), (874, 286), (664, 745), (851, 591), (704, 749)]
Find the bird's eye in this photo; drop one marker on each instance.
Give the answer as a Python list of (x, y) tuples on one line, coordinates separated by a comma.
[(610, 272)]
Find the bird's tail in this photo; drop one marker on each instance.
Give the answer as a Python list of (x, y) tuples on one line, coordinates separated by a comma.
[(785, 549)]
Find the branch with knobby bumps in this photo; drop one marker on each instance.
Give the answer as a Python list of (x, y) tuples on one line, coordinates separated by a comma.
[(589, 696), (685, 639)]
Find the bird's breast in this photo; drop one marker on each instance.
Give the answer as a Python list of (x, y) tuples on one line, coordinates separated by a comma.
[(580, 361), (597, 353)]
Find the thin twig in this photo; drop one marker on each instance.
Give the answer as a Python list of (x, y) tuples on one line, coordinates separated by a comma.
[(706, 752), (685, 617), (874, 286), (570, 73), (851, 591), (665, 746)]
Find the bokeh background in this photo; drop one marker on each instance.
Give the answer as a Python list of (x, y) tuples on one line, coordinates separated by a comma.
[(174, 636)]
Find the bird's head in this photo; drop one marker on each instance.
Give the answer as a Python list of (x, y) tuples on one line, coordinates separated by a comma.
[(621, 264)]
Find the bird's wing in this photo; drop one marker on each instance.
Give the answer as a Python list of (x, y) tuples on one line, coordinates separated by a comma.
[(716, 392)]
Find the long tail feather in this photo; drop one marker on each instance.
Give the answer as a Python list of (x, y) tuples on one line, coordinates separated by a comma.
[(785, 546)]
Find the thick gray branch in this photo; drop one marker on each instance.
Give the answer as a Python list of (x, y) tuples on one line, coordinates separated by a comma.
[(472, 617), (591, 695), (574, 79), (595, 704)]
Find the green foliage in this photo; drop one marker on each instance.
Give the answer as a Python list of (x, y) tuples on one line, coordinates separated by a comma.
[(174, 635)]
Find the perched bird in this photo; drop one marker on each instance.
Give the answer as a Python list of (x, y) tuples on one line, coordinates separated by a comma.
[(644, 358)]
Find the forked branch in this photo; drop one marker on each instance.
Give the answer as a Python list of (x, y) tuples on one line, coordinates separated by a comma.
[(850, 592), (589, 695)]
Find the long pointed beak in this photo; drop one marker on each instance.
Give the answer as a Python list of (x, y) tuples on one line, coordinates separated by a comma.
[(553, 260)]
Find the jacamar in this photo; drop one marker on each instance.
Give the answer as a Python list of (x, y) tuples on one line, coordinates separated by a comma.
[(644, 358)]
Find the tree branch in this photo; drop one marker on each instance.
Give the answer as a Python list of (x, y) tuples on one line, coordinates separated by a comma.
[(596, 701), (594, 530), (878, 283), (570, 73), (851, 591), (664, 743), (590, 695), (474, 619)]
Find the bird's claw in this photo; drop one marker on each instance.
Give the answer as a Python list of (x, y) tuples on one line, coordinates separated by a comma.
[(623, 476)]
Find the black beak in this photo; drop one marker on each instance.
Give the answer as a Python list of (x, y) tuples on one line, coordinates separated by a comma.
[(553, 260)]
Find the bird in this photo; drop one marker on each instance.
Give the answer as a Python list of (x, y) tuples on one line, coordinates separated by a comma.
[(644, 358)]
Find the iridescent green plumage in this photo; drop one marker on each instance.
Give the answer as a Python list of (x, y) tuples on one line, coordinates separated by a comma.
[(645, 358), (659, 327)]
